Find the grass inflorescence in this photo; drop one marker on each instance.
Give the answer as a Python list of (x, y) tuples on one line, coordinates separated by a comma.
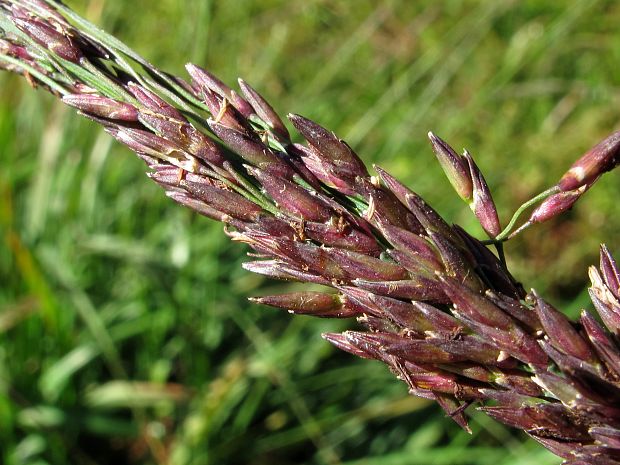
[(317, 215)]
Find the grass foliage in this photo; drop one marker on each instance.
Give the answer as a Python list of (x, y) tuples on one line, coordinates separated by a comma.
[(125, 334)]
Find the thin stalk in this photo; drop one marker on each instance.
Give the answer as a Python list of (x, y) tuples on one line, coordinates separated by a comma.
[(499, 246), (519, 230), (104, 84), (505, 234)]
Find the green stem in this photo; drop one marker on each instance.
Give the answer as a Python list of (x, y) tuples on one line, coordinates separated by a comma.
[(104, 84), (520, 229), (505, 234)]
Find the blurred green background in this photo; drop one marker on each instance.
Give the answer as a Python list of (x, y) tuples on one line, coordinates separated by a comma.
[(125, 334)]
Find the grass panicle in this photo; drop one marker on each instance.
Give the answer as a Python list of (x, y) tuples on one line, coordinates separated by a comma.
[(433, 303)]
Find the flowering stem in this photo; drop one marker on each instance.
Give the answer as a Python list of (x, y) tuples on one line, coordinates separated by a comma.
[(505, 234), (520, 229)]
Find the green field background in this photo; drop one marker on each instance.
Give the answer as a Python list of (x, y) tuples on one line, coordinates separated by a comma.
[(126, 336)]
